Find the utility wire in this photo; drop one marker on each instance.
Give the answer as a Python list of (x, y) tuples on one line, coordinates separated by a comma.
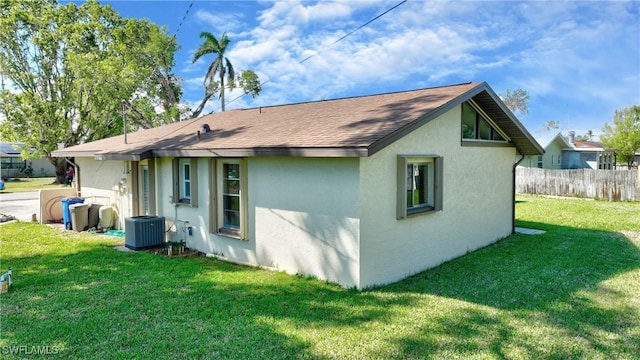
[(358, 28), (175, 37), (335, 42)]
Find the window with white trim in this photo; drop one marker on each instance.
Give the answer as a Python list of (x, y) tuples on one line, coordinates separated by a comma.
[(419, 185), (145, 198), (230, 203), (185, 185)]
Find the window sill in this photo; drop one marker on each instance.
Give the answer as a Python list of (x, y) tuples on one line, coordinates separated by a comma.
[(482, 142), (420, 210), (232, 233), (423, 210), (183, 202)]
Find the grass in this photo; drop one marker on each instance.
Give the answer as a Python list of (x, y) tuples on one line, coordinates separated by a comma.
[(33, 184), (573, 292)]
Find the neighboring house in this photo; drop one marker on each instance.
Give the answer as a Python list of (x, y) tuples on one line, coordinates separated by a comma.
[(359, 191), (554, 145), (562, 152), (13, 165), (587, 155)]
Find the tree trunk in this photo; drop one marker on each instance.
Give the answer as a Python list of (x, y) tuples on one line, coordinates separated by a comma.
[(222, 85), (197, 112), (61, 169)]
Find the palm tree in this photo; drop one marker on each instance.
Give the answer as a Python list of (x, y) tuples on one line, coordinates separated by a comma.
[(220, 66), (589, 135)]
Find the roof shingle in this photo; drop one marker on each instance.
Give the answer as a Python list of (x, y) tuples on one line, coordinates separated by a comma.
[(355, 126)]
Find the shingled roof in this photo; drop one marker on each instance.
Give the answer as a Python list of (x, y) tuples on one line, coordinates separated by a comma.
[(347, 127)]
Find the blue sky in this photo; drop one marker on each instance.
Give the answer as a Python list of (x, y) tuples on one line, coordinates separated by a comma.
[(579, 61)]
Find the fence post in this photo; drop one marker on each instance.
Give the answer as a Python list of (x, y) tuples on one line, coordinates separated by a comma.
[(638, 184)]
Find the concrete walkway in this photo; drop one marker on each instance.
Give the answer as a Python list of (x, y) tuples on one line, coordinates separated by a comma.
[(526, 231)]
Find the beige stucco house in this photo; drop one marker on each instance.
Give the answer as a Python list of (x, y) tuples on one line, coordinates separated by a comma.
[(359, 191)]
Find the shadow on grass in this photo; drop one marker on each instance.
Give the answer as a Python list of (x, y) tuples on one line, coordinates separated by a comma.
[(554, 281), (529, 271), (99, 301)]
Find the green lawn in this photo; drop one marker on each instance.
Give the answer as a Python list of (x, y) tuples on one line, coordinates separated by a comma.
[(573, 292), (33, 184)]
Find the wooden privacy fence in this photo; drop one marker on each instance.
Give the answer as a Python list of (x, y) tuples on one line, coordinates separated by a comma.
[(612, 185)]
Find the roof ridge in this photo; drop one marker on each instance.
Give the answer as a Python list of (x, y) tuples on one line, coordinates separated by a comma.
[(352, 97)]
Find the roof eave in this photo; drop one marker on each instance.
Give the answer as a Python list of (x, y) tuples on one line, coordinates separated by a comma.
[(355, 151), (139, 156), (483, 86), (535, 148), (65, 153), (398, 134)]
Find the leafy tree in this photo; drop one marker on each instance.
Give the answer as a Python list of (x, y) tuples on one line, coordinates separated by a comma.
[(551, 125), (72, 66), (219, 68), (624, 134), (516, 100)]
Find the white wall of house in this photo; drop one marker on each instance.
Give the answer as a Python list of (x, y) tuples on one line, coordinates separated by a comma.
[(306, 216), (177, 216), (477, 203), (551, 159), (302, 216), (106, 183)]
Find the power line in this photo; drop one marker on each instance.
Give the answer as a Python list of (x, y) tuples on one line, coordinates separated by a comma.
[(175, 37), (335, 42), (358, 28)]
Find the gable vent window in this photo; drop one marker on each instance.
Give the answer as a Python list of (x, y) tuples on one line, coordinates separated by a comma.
[(476, 127)]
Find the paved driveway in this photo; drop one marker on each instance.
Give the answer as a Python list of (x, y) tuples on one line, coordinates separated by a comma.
[(21, 205)]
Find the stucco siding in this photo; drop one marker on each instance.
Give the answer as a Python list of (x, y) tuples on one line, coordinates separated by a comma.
[(477, 203), (306, 216), (179, 217), (302, 216), (552, 156), (106, 183)]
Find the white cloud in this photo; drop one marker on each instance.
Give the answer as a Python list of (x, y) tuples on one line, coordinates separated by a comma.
[(563, 53), (220, 21)]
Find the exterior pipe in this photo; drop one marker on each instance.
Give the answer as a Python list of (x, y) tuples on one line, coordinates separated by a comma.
[(513, 209)]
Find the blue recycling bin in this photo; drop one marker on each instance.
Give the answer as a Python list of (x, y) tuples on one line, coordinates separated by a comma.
[(66, 212)]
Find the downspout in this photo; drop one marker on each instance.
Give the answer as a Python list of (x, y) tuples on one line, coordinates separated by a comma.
[(78, 187), (513, 208)]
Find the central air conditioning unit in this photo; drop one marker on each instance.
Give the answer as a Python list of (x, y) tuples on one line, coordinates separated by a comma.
[(143, 231)]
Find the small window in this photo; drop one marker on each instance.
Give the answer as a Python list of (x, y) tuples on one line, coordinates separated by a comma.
[(540, 161), (185, 179), (419, 185), (185, 187), (145, 190)]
